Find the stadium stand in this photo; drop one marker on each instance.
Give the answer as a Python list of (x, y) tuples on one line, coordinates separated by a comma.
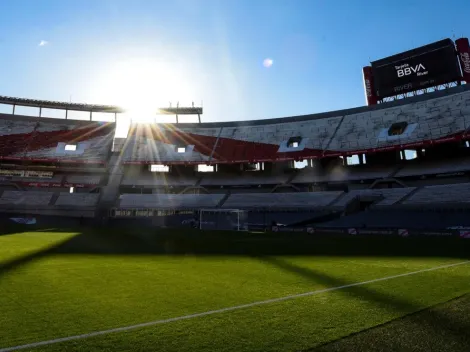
[(84, 179), (251, 178), (169, 201), (406, 218), (156, 179), (455, 193), (77, 199), (408, 122), (54, 179), (55, 140), (143, 146), (343, 173), (384, 196), (14, 135), (419, 167), (427, 120), (327, 183), (281, 200), (22, 198)]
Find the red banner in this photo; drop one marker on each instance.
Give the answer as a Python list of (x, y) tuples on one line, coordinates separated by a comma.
[(326, 153), (371, 96), (60, 161), (463, 48)]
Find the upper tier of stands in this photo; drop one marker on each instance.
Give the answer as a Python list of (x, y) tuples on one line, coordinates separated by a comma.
[(45, 139), (442, 115)]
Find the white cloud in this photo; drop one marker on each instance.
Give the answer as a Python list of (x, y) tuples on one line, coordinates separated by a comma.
[(43, 43)]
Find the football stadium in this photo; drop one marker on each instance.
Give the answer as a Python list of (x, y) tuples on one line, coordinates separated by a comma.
[(340, 231)]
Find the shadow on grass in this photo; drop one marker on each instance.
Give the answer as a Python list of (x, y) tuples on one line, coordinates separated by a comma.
[(433, 321), (102, 241), (20, 261)]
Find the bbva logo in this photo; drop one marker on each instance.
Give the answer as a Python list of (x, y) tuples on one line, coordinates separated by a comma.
[(406, 70)]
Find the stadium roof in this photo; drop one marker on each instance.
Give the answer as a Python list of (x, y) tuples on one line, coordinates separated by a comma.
[(47, 104)]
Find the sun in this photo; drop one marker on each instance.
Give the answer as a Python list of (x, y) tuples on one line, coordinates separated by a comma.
[(142, 86)]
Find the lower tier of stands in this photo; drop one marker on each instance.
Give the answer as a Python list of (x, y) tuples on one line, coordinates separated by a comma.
[(268, 200), (455, 193), (42, 199), (77, 199), (385, 196), (170, 201)]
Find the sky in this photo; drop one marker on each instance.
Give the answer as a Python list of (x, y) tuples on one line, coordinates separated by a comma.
[(142, 54)]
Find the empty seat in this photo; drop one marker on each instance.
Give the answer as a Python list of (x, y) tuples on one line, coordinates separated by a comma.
[(455, 193), (158, 179), (30, 198), (247, 178), (280, 200), (85, 179), (77, 199), (169, 201), (92, 141), (437, 167), (15, 135), (387, 196)]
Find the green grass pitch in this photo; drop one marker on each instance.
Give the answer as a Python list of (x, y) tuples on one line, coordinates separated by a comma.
[(57, 283)]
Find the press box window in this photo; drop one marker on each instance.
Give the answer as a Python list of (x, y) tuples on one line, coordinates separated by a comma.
[(71, 147), (159, 168), (397, 129), (205, 168), (294, 142)]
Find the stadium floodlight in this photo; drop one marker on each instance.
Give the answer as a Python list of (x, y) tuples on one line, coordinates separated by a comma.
[(223, 219)]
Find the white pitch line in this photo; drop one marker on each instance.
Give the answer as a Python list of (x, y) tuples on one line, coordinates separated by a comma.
[(223, 310)]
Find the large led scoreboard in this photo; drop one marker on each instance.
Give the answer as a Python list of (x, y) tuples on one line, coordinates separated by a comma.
[(428, 66)]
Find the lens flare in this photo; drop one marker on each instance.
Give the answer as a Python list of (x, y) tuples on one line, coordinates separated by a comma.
[(268, 63)]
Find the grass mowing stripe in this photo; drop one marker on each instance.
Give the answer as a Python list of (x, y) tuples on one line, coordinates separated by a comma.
[(222, 310)]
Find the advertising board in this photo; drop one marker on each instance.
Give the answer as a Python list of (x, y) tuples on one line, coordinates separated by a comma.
[(420, 68)]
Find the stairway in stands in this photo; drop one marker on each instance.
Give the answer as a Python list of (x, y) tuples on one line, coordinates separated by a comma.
[(110, 192), (224, 199)]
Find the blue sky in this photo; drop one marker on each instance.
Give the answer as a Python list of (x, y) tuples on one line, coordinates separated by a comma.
[(145, 53)]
